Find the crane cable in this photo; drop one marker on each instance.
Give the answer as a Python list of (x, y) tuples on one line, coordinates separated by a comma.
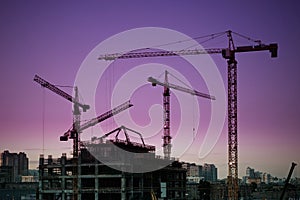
[(194, 135), (212, 36), (247, 38), (209, 37), (193, 102), (179, 80)]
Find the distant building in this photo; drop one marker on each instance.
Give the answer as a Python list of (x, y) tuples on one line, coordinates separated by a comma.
[(250, 172), (6, 174), (192, 170), (14, 177), (17, 162), (266, 178), (257, 177), (210, 172), (253, 180), (207, 172), (20, 191), (258, 174), (30, 179), (191, 179)]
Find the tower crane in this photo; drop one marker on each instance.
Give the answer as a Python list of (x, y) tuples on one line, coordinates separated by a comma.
[(228, 54), (166, 104), (76, 123), (76, 129), (76, 106)]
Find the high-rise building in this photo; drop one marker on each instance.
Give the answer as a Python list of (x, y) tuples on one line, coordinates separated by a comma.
[(257, 177), (18, 163), (23, 164), (207, 172), (192, 170), (250, 172), (210, 172), (266, 178)]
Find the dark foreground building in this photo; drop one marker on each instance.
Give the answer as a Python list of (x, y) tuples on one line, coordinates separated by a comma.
[(18, 191), (15, 164), (88, 178)]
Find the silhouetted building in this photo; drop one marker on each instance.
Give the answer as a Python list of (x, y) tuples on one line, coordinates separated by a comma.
[(195, 173), (210, 172), (95, 180), (250, 172), (17, 162), (193, 170), (6, 174), (18, 191), (257, 177)]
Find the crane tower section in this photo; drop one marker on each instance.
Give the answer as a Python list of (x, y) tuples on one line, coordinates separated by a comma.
[(166, 137), (232, 130)]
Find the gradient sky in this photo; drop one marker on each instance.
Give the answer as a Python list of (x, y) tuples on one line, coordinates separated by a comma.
[(52, 38)]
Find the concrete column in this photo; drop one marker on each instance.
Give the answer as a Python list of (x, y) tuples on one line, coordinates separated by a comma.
[(41, 174), (131, 185), (79, 177), (123, 187), (141, 185), (96, 182), (63, 173)]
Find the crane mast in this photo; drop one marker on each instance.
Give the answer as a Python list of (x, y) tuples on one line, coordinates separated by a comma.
[(232, 177), (229, 55), (166, 137), (76, 125)]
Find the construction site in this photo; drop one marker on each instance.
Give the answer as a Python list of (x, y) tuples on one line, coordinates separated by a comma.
[(96, 180), (113, 175)]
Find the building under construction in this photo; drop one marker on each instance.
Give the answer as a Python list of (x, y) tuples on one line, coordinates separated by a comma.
[(96, 179)]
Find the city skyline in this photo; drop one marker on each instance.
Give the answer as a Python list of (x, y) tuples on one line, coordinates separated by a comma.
[(52, 39), (14, 159)]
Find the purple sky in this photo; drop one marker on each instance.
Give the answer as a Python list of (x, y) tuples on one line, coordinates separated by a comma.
[(52, 38)]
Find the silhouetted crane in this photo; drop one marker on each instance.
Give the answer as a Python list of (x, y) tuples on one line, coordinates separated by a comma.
[(166, 104), (228, 54)]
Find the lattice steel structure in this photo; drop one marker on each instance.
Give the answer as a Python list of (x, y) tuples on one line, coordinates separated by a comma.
[(229, 55)]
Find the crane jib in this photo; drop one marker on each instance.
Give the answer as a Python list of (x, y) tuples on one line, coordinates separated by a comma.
[(58, 91)]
